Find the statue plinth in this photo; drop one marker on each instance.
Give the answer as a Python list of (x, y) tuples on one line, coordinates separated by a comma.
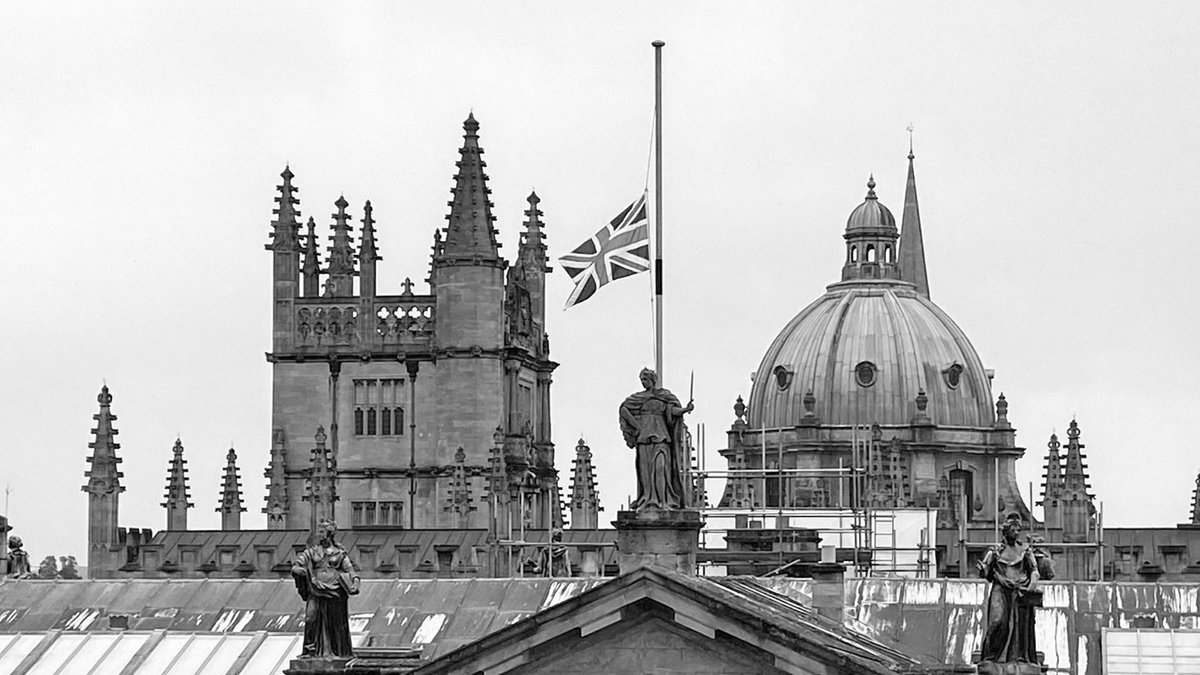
[(366, 661), (658, 537), (307, 665), (993, 668)]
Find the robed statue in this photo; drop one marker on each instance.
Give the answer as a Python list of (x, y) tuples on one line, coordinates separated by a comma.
[(1012, 568), (326, 579), (652, 423)]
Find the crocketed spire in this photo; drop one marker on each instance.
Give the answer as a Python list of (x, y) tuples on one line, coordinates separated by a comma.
[(312, 262), (178, 498), (285, 229), (103, 476), (230, 506), (367, 254), (585, 497), (469, 232), (322, 482), (912, 246), (1052, 479), (276, 475), (1075, 478), (1196, 502), (104, 491), (531, 253), (340, 267)]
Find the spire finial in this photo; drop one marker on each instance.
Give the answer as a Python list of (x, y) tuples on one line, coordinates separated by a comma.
[(871, 187), (910, 141)]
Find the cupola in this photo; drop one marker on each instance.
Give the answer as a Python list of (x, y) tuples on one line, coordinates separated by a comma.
[(871, 236)]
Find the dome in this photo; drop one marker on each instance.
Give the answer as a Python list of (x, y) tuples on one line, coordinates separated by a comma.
[(870, 215), (865, 350)]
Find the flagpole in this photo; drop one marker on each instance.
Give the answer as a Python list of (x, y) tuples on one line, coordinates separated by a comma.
[(658, 241)]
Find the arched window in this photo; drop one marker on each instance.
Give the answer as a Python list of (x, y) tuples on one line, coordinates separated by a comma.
[(887, 254), (870, 253), (961, 492), (853, 254)]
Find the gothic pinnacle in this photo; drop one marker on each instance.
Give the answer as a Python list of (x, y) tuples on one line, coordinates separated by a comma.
[(469, 232), (285, 229)]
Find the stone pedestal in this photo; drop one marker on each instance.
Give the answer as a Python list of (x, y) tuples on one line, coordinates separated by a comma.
[(662, 538), (322, 664), (366, 661), (992, 668)]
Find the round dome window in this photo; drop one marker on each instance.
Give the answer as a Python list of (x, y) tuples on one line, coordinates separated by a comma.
[(783, 377), (953, 375), (864, 374)]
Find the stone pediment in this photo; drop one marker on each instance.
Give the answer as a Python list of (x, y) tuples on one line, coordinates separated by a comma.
[(654, 620)]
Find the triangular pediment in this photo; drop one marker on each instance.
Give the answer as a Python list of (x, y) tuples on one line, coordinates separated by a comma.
[(652, 615)]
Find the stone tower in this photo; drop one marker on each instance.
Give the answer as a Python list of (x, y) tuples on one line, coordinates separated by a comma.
[(402, 380), (104, 490)]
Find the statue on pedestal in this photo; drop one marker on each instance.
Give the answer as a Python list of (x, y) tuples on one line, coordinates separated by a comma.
[(1008, 638), (652, 423), (325, 579)]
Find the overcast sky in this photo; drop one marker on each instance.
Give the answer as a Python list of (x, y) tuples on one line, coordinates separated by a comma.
[(140, 145)]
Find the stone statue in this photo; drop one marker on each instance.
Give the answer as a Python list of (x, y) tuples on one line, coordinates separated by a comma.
[(652, 422), (325, 579), (18, 559), (1008, 636), (550, 561)]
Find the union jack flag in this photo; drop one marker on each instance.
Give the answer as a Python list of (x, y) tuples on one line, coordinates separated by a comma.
[(619, 250)]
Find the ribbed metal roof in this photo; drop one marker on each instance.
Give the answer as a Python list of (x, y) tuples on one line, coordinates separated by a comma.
[(910, 343)]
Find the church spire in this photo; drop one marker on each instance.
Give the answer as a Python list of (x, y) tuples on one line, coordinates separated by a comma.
[(178, 500), (585, 498), (469, 232), (912, 246), (340, 268), (312, 262), (230, 506)]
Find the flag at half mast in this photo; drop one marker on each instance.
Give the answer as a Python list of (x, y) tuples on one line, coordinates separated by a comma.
[(620, 249)]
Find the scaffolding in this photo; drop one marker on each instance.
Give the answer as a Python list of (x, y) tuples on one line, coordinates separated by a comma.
[(857, 508)]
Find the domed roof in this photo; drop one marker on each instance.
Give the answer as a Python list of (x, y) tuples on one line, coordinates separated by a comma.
[(865, 350), (870, 215)]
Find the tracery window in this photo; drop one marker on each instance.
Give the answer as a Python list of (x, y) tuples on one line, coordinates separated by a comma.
[(376, 514), (377, 407)]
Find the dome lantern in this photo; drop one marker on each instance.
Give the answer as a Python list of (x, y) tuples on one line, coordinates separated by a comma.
[(871, 236)]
